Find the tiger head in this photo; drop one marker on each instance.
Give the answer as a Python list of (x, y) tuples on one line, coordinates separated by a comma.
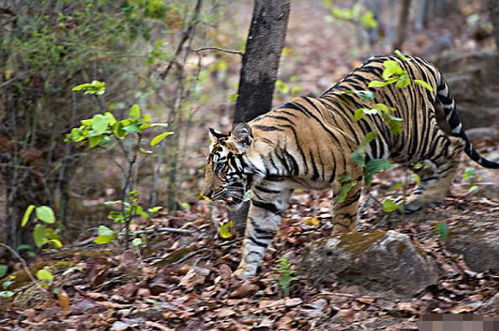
[(225, 177)]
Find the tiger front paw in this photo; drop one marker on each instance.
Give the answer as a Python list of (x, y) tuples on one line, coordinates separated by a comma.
[(244, 272)]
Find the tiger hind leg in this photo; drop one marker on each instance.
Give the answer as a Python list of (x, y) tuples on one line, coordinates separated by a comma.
[(436, 176)]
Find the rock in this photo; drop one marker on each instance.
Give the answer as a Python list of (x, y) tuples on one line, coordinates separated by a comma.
[(478, 242), (482, 133), (381, 262)]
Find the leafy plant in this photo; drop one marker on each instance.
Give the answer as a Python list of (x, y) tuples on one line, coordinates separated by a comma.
[(42, 233), (285, 274), (105, 129), (442, 229), (469, 175)]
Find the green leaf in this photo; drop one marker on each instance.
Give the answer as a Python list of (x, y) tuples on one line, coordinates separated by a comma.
[(132, 128), (400, 55), (118, 131), (389, 206), (442, 230), (56, 243), (7, 283), (39, 235), (358, 157), (156, 140), (185, 206), (424, 84), (45, 214), (103, 230), (26, 215), (135, 112), (23, 247), (99, 124), (137, 242), (403, 81), (95, 141), (391, 68), (103, 239), (418, 165), (417, 179), (344, 189), (374, 166), (154, 209), (345, 178), (396, 186), (226, 230), (44, 274), (342, 14), (3, 270), (94, 87), (6, 294), (377, 83), (365, 95), (367, 19)]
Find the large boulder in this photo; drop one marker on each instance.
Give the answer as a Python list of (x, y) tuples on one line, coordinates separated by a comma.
[(380, 262), (478, 242)]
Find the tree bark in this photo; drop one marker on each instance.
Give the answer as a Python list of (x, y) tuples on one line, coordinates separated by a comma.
[(402, 26), (259, 71), (261, 58), (493, 7)]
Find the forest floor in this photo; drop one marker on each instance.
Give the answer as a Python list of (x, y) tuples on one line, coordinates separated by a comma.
[(182, 279)]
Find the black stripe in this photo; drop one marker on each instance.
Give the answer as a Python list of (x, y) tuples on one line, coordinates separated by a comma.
[(266, 190), (258, 243), (268, 128), (266, 206)]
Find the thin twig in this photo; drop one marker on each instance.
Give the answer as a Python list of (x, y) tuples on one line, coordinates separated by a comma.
[(25, 266), (185, 37), (189, 255), (166, 229), (225, 50)]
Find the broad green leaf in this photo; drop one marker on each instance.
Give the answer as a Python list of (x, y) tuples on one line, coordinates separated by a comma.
[(345, 178), (103, 230), (45, 214), (365, 95), (367, 19), (401, 55), (344, 189), (39, 235), (146, 118), (226, 230), (424, 84), (247, 195), (374, 166), (358, 158), (389, 206), (103, 239), (359, 114), (7, 283), (370, 136), (403, 81), (95, 141), (111, 118), (118, 131), (99, 124), (396, 186), (418, 165), (342, 14), (132, 128), (135, 112), (137, 242), (44, 274), (442, 230), (3, 270), (26, 215), (154, 209), (391, 68), (6, 294), (23, 247), (185, 205), (377, 83), (94, 87), (156, 140), (56, 243)]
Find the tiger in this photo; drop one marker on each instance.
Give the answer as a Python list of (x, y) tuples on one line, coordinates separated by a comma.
[(308, 143)]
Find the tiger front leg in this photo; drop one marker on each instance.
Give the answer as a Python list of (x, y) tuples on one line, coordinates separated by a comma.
[(345, 204), (261, 225)]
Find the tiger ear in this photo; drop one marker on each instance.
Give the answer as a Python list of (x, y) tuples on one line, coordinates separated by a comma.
[(242, 136), (215, 135)]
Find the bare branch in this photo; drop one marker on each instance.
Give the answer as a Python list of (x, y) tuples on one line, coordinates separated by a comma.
[(230, 51)]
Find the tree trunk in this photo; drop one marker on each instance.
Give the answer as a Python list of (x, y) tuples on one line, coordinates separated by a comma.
[(402, 28), (493, 7), (259, 71), (261, 58)]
